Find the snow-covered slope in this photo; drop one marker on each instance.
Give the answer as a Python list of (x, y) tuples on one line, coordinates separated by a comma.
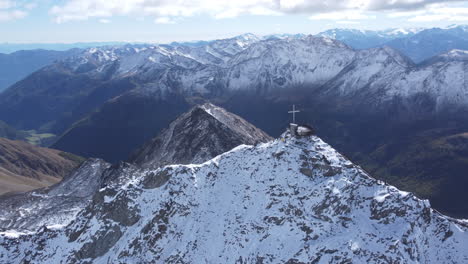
[(431, 42), (54, 206), (364, 39), (244, 62), (288, 63), (295, 200), (381, 75), (370, 70), (452, 55), (197, 136)]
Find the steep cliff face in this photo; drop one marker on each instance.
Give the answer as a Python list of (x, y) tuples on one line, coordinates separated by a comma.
[(295, 200), (197, 136)]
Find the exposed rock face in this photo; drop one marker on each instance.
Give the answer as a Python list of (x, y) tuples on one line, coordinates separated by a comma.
[(24, 167), (291, 201), (197, 136)]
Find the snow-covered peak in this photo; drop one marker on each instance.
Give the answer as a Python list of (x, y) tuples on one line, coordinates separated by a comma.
[(290, 62), (395, 55), (248, 37), (288, 200), (456, 26), (453, 55), (456, 53), (251, 133), (344, 33), (316, 40), (399, 32), (370, 71), (338, 33), (197, 136), (284, 36)]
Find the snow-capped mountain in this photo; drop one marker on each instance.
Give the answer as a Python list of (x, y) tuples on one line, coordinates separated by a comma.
[(364, 39), (432, 42), (274, 64), (197, 136), (370, 70), (250, 63), (381, 75), (244, 63), (288, 200), (419, 44), (450, 56)]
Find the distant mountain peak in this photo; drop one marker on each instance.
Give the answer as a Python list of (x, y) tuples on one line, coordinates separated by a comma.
[(454, 55), (248, 36)]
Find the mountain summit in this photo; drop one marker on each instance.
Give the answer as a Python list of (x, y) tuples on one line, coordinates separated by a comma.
[(291, 200), (197, 136)]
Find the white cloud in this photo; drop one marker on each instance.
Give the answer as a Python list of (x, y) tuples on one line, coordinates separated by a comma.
[(348, 22), (406, 14), (13, 10), (343, 15), (171, 9), (164, 20), (104, 21), (434, 13), (30, 6), (12, 15), (5, 4)]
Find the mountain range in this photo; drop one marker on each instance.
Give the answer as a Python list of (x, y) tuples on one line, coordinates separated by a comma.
[(375, 105), (289, 200), (417, 43)]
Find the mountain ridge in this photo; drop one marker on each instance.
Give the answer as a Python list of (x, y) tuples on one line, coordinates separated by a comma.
[(204, 132), (294, 200)]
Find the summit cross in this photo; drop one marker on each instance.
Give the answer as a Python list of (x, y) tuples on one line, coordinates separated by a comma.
[(293, 112)]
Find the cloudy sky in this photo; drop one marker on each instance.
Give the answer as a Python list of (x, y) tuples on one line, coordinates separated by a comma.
[(162, 21)]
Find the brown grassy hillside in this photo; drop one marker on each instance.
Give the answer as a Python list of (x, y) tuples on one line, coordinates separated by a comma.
[(24, 167)]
